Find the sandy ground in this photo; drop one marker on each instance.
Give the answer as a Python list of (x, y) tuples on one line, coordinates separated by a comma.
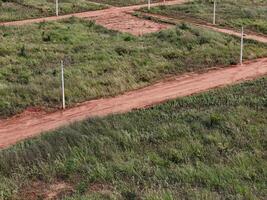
[(31, 124)]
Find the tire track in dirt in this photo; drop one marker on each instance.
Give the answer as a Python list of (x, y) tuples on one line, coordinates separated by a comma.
[(29, 125)]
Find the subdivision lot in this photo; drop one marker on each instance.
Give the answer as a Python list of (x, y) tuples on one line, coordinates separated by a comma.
[(11, 10), (127, 23), (232, 14), (209, 145), (99, 62)]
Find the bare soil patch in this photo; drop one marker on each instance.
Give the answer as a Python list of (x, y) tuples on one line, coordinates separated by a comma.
[(127, 23), (40, 190)]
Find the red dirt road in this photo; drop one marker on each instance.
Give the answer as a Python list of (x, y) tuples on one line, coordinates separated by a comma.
[(114, 18), (89, 14), (32, 124)]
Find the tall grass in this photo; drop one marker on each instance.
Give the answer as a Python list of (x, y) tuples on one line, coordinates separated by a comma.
[(99, 62), (208, 146)]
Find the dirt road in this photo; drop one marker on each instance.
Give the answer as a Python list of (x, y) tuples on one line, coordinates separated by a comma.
[(106, 12), (32, 124), (115, 18)]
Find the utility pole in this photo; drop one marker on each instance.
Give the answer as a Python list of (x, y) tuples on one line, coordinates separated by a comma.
[(242, 46), (62, 85), (214, 12), (56, 7), (149, 4)]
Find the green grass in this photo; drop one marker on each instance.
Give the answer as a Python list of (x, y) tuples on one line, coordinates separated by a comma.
[(101, 63), (208, 146), (11, 10), (232, 14)]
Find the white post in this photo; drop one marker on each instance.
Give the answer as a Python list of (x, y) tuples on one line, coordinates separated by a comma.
[(56, 7), (62, 85), (242, 46), (214, 12), (148, 6)]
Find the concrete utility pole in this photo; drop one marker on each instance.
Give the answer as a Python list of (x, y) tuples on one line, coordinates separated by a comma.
[(56, 7), (62, 85), (149, 4), (214, 12), (242, 46)]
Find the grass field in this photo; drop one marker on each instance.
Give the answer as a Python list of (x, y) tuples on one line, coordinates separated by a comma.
[(233, 14), (209, 146), (11, 10), (99, 62)]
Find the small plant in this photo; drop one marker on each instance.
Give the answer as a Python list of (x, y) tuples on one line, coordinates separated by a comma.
[(215, 120), (184, 26), (22, 51), (46, 37)]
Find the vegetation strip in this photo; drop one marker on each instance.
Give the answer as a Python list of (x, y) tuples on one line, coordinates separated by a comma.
[(229, 14), (170, 20)]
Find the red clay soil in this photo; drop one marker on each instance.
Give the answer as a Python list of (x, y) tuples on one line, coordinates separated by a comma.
[(24, 126), (45, 191), (127, 23)]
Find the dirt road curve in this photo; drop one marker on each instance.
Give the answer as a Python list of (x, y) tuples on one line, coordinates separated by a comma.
[(32, 124), (89, 14)]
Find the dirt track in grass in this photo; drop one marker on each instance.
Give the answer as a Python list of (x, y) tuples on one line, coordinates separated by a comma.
[(30, 124), (115, 18)]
